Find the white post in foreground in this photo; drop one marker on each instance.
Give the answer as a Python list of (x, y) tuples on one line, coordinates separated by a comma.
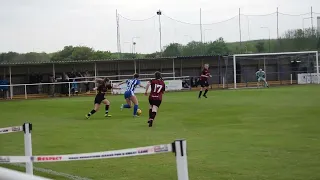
[(27, 128), (180, 149), (8, 174)]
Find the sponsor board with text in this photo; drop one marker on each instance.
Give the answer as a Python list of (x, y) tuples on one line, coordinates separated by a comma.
[(161, 148), (171, 85), (4, 130), (4, 159), (17, 128), (48, 158)]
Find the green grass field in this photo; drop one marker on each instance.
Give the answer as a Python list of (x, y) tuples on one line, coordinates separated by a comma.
[(251, 134)]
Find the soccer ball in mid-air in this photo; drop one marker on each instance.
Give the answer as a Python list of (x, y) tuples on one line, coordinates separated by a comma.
[(139, 112)]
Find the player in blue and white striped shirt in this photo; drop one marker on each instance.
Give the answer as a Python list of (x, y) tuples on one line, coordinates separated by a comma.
[(129, 94)]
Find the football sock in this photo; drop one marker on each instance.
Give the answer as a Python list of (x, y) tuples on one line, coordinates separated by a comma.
[(107, 109), (126, 106), (205, 92), (135, 109), (200, 94), (153, 115), (92, 112), (150, 113)]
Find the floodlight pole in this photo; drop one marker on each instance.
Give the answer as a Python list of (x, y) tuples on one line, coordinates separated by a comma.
[(134, 44), (159, 13)]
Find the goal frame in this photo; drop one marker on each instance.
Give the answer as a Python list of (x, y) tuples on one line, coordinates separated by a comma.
[(270, 54)]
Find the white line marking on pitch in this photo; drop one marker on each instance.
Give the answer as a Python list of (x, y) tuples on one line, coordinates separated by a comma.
[(49, 171)]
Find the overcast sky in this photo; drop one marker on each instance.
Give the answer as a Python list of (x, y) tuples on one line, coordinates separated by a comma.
[(43, 25)]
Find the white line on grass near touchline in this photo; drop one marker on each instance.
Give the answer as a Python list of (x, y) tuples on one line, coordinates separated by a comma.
[(49, 171)]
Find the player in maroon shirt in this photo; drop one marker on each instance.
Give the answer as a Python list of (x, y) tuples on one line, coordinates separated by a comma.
[(103, 87), (204, 81), (155, 97)]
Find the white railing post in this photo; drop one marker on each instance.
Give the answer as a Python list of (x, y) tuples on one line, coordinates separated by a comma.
[(223, 82), (317, 64), (10, 82), (180, 147), (69, 84), (173, 70), (290, 78), (25, 92), (27, 128), (234, 72)]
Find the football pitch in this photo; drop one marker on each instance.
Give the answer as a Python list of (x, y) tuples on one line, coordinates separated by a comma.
[(235, 134)]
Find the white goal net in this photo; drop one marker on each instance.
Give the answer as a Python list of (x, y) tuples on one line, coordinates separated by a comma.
[(280, 68)]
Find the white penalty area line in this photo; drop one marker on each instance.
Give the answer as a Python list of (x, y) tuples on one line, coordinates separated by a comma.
[(51, 172)]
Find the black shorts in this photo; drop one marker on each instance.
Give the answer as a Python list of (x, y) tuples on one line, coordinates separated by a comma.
[(155, 102), (204, 83), (98, 99)]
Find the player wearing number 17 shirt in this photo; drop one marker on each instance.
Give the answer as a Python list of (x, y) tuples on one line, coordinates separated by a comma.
[(155, 98)]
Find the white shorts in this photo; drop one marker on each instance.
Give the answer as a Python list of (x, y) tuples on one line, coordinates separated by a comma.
[(261, 79)]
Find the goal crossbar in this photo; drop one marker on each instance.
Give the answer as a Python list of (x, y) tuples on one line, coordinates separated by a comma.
[(271, 54)]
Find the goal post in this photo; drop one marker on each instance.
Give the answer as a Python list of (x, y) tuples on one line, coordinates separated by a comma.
[(281, 68)]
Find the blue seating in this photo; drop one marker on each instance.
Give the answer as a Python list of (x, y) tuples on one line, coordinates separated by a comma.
[(4, 88)]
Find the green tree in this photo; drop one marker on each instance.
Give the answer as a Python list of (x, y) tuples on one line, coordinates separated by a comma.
[(98, 55), (260, 47), (82, 53), (153, 55), (63, 55), (173, 49), (193, 49), (217, 47)]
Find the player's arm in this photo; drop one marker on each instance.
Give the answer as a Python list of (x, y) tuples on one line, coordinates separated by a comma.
[(147, 88), (110, 86), (123, 82), (139, 84), (257, 74), (99, 80), (205, 75), (164, 88)]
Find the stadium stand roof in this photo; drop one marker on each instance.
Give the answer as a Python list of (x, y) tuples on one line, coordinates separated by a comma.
[(102, 60)]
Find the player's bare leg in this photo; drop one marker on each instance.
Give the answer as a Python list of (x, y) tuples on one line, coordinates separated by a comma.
[(128, 105), (150, 112), (95, 109), (136, 105), (266, 83), (205, 92), (200, 92), (152, 115), (107, 103)]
